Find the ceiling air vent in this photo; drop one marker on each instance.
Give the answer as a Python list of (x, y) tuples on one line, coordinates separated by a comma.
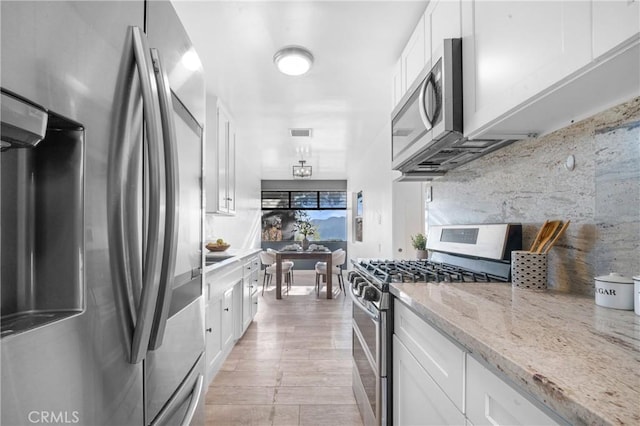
[(300, 133)]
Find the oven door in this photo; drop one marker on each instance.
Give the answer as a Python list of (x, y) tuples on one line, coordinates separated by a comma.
[(367, 378)]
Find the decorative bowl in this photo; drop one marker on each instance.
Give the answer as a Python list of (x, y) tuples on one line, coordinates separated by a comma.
[(217, 247)]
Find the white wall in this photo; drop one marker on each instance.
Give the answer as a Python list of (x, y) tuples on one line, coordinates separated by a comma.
[(408, 217), (369, 171)]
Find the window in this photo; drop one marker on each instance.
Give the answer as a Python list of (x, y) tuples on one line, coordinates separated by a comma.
[(304, 200), (275, 199), (326, 209), (333, 199)]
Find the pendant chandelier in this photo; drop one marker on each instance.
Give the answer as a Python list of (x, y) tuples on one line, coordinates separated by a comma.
[(301, 171)]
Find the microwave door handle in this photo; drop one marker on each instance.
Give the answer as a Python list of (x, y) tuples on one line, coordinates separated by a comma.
[(422, 107), (153, 254), (172, 202)]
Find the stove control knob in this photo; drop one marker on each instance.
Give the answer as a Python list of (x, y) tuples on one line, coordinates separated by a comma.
[(360, 288), (371, 294)]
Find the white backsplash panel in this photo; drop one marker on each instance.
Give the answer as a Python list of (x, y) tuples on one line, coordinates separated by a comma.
[(527, 182)]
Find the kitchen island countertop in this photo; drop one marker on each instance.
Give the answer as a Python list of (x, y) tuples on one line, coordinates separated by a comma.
[(580, 359)]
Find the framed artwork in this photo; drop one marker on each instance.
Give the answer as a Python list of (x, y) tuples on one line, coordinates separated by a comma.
[(359, 211), (427, 194)]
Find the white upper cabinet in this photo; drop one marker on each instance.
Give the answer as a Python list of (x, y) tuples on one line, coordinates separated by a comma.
[(397, 89), (515, 50), (413, 55), (220, 170), (614, 22), (226, 162), (442, 20), (531, 67)]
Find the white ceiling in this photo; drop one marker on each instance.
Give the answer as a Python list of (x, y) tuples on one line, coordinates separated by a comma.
[(345, 98)]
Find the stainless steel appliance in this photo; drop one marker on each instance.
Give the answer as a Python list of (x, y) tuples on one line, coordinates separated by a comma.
[(460, 253), (427, 136), (101, 215)]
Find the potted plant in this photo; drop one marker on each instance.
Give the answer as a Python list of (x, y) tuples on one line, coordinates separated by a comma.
[(304, 227), (419, 242)]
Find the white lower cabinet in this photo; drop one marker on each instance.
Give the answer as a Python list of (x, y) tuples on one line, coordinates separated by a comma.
[(231, 305), (249, 290), (491, 401), (213, 333), (227, 317), (417, 399), (439, 357), (254, 303), (436, 382)]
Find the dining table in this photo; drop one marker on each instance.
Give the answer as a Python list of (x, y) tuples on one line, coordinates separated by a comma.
[(322, 256)]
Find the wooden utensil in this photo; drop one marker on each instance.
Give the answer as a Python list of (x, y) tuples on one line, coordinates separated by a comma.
[(550, 231), (546, 233), (538, 237), (555, 238)]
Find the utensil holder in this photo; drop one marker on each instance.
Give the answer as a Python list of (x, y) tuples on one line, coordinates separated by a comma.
[(529, 270)]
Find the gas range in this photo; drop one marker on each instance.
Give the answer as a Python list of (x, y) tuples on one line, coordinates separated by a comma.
[(459, 253), (402, 271)]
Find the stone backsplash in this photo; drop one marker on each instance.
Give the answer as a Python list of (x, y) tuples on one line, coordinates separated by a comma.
[(527, 182)]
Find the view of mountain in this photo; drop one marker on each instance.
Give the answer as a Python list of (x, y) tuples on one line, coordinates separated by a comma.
[(333, 228)]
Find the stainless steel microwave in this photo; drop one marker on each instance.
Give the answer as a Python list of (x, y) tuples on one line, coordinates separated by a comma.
[(427, 136), (431, 110)]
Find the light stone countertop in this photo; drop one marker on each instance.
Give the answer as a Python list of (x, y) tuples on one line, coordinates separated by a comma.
[(228, 257), (580, 359)]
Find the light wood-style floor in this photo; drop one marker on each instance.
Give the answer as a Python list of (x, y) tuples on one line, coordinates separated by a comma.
[(292, 366)]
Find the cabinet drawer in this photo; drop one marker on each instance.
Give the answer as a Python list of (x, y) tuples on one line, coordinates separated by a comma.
[(441, 358), (491, 401), (219, 281), (251, 265), (417, 399)]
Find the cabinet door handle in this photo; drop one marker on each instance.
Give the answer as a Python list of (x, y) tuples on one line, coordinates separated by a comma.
[(226, 309), (210, 330)]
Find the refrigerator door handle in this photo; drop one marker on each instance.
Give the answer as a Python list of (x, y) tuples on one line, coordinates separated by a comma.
[(195, 400), (153, 255), (180, 396), (172, 199)]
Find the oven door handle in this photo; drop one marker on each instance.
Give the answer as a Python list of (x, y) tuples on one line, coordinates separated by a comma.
[(357, 303)]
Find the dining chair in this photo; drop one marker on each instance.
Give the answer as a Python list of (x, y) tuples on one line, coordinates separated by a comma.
[(288, 262), (268, 260), (338, 259)]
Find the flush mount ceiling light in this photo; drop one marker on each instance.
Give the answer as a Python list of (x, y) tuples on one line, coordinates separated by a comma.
[(293, 60), (302, 171)]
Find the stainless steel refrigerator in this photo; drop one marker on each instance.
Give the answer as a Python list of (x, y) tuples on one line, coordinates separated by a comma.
[(101, 234)]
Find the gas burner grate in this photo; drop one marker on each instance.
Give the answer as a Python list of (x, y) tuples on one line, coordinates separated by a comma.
[(387, 271)]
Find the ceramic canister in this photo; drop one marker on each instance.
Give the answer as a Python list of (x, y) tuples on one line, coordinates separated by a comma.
[(636, 294), (614, 291)]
